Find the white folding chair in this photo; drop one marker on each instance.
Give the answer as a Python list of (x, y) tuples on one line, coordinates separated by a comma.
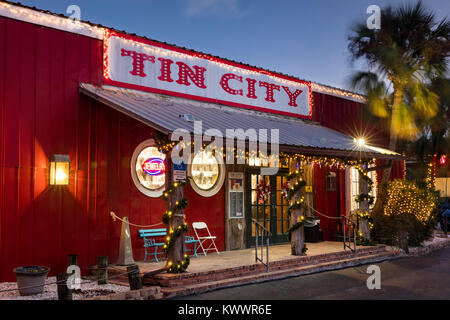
[(204, 236)]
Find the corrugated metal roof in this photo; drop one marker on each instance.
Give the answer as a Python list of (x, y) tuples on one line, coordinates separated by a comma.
[(166, 114)]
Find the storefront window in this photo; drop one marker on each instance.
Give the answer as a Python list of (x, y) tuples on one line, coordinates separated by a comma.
[(148, 169), (207, 173)]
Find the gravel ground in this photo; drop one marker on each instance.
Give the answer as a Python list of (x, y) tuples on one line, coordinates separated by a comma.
[(88, 289)]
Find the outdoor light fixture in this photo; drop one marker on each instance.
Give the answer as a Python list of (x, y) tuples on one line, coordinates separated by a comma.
[(360, 142), (59, 170)]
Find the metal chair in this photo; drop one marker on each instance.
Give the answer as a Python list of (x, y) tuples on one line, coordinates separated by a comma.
[(197, 226)]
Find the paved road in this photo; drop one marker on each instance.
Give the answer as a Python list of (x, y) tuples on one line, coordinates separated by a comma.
[(426, 277)]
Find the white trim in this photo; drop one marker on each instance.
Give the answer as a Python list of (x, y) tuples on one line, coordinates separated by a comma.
[(337, 92), (50, 20)]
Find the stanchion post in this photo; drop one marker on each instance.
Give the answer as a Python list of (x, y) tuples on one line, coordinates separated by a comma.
[(64, 293), (134, 277), (102, 270)]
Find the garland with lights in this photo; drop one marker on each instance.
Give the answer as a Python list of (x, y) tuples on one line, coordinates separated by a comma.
[(365, 196), (299, 183), (179, 266), (291, 190), (166, 146), (298, 224), (297, 205)]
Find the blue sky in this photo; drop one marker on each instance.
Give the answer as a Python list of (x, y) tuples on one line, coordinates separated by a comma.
[(306, 39)]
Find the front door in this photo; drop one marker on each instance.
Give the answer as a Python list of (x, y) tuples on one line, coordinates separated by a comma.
[(272, 214)]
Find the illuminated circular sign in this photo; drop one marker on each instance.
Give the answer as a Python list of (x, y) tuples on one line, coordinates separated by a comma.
[(148, 169), (154, 166)]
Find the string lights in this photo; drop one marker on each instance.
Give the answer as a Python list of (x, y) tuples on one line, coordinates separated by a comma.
[(175, 266), (406, 198)]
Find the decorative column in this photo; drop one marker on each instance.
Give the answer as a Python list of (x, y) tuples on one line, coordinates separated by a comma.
[(365, 186), (296, 212), (177, 259)]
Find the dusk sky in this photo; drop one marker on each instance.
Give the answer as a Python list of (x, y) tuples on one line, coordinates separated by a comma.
[(305, 39)]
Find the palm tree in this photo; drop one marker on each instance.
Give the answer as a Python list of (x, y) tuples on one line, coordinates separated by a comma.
[(409, 50)]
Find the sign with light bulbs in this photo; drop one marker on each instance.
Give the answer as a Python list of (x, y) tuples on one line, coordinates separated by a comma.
[(147, 65)]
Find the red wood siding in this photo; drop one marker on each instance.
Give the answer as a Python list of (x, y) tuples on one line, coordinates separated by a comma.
[(40, 115)]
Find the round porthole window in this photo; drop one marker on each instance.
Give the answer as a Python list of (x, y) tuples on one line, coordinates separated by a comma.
[(207, 172), (148, 169)]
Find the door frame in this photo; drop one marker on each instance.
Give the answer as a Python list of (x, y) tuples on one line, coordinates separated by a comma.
[(275, 238)]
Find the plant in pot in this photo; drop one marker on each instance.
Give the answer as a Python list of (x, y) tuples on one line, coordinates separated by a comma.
[(31, 279)]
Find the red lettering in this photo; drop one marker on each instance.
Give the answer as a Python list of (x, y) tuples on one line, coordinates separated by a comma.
[(185, 71), (138, 61), (224, 83), (292, 96), (251, 88), (165, 70), (269, 90)]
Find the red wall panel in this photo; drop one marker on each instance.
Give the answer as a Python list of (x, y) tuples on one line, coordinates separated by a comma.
[(39, 115), (329, 203)]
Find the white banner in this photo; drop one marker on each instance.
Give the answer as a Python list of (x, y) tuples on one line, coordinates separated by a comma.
[(142, 64)]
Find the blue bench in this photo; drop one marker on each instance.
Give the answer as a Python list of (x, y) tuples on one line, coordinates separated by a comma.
[(149, 236)]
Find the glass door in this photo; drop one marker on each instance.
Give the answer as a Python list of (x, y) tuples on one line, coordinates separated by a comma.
[(272, 213)]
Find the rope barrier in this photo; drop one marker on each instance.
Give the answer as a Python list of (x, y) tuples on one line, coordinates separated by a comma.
[(324, 215), (114, 217)]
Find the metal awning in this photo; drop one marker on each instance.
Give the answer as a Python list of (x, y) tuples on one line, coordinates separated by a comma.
[(166, 114)]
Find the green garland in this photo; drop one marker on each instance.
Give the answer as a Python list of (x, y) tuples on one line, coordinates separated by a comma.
[(365, 196), (178, 266), (295, 226), (299, 183), (299, 204), (171, 189), (173, 235), (292, 190), (178, 206)]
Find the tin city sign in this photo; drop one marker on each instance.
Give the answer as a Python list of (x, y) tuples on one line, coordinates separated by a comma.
[(142, 64)]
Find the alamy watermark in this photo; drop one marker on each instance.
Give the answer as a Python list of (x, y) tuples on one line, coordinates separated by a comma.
[(74, 13), (235, 139), (374, 20), (374, 280)]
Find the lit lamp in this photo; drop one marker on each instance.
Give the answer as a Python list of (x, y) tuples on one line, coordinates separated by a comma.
[(360, 142), (59, 170)]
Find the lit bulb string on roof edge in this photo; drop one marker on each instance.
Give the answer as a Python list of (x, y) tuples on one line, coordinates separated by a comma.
[(238, 153), (51, 20)]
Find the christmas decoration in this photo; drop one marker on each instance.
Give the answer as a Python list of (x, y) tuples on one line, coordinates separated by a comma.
[(284, 189), (365, 196), (295, 183), (178, 266), (263, 191)]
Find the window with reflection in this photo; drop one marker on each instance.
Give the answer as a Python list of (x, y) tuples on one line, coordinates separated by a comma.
[(205, 170)]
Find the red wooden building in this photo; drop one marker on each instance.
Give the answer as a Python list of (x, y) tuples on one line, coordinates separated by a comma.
[(54, 101)]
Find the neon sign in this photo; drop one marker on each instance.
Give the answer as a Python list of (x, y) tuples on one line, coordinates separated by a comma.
[(154, 166)]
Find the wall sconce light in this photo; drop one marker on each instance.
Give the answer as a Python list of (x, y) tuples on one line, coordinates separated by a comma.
[(59, 170)]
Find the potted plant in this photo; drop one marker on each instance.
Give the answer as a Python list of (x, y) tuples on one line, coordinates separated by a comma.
[(31, 279)]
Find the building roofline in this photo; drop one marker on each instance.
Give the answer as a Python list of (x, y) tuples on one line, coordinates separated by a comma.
[(93, 30)]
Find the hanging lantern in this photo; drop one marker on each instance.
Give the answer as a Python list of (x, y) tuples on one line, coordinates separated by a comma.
[(59, 170)]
